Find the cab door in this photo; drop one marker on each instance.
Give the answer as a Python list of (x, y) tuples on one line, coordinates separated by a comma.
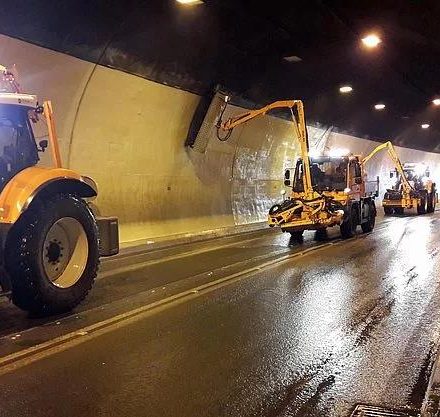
[(355, 182)]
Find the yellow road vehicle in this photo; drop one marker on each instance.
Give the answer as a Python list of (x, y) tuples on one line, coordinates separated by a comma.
[(325, 191), (412, 188), (49, 236)]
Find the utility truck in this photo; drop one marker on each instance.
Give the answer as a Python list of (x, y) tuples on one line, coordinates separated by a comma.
[(325, 191), (412, 187)]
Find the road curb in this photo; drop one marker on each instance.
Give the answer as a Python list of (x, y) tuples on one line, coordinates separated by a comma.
[(130, 249), (184, 238), (157, 250), (154, 252)]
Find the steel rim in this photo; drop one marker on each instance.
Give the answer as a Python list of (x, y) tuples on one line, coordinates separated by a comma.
[(65, 252)]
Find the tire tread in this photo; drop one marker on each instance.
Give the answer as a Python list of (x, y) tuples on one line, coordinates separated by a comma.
[(29, 292)]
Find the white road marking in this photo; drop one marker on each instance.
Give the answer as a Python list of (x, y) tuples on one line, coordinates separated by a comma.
[(59, 344), (43, 350)]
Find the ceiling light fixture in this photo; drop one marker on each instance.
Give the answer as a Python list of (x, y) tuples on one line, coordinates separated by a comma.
[(379, 106), (436, 101), (425, 125), (190, 2), (371, 40), (292, 59), (346, 89)]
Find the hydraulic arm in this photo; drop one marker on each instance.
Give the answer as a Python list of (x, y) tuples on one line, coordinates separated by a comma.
[(316, 205), (406, 186), (296, 108)]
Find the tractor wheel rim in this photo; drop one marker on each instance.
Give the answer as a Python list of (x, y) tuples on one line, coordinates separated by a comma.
[(65, 252)]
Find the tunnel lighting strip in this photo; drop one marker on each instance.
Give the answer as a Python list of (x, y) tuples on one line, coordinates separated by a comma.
[(190, 2), (346, 89)]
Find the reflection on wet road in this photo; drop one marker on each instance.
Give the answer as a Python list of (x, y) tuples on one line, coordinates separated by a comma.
[(356, 322)]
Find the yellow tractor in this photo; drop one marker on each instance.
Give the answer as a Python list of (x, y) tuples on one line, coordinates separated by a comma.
[(326, 190), (50, 238), (412, 189)]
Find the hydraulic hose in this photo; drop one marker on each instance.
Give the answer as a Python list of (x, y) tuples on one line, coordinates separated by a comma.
[(218, 127)]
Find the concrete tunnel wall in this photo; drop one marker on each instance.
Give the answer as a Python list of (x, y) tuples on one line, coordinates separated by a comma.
[(128, 134)]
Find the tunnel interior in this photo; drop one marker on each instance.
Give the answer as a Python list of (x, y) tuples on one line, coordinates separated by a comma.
[(127, 78), (301, 49), (186, 118)]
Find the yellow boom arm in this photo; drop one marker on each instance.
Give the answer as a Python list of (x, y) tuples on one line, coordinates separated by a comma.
[(395, 158), (54, 145), (299, 124)]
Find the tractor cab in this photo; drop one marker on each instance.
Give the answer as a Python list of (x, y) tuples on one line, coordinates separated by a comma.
[(18, 111), (18, 149)]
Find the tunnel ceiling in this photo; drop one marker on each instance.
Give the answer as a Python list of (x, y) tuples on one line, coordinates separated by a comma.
[(240, 44), (403, 72)]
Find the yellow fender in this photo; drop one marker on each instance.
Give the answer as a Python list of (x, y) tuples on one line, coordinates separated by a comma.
[(24, 186)]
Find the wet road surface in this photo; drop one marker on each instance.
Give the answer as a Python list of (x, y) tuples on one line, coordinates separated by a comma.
[(251, 329)]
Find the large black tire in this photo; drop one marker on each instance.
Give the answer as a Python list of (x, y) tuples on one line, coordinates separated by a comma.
[(387, 211), (296, 237), (321, 235), (368, 226), (431, 201), (398, 210), (349, 225), (43, 281), (423, 206)]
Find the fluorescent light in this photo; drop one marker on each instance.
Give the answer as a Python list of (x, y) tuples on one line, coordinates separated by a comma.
[(425, 125), (292, 59), (379, 106), (190, 2), (436, 101), (371, 41), (346, 89)]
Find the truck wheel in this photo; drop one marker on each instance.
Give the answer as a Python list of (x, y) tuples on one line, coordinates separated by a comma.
[(431, 202), (368, 226), (422, 207), (296, 237), (52, 255), (349, 225), (387, 211), (321, 235), (398, 210)]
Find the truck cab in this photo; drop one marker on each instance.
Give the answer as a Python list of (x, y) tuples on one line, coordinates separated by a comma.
[(337, 175)]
